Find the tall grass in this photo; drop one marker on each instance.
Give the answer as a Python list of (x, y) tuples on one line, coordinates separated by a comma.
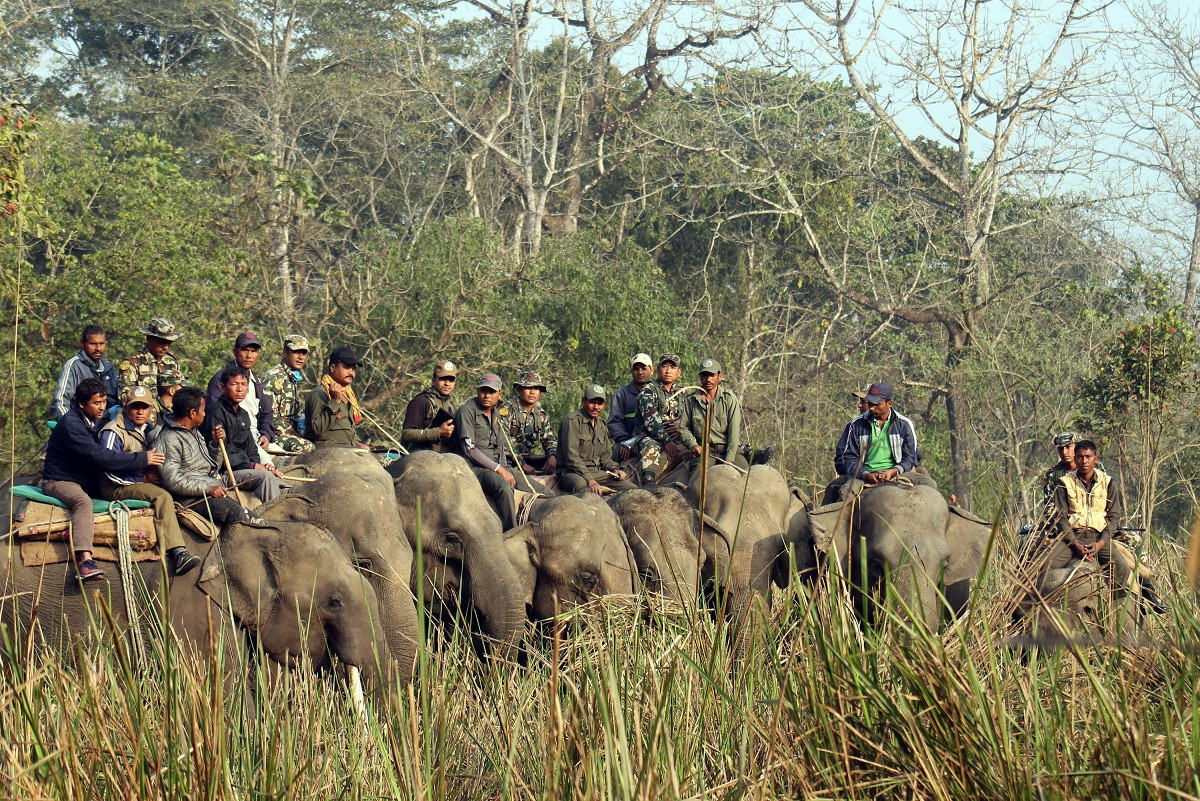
[(632, 699)]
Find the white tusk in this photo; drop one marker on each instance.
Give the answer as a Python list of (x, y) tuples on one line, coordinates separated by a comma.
[(356, 691)]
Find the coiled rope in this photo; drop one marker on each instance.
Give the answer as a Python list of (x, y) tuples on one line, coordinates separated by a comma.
[(120, 514)]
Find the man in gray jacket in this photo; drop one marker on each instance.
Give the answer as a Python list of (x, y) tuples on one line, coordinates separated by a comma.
[(189, 473)]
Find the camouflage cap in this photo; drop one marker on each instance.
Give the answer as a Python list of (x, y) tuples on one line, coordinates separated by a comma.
[(160, 328), (710, 366), (445, 369), (1066, 438), (593, 392), (169, 378), (530, 380), (670, 357), (862, 393), (295, 342), (136, 394)]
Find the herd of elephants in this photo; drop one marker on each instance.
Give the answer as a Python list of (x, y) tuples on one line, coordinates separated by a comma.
[(329, 570)]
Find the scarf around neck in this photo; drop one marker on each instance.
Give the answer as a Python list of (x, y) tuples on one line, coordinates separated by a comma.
[(355, 411)]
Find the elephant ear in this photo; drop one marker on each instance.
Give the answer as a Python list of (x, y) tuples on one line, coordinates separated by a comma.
[(288, 507), (521, 543), (241, 578), (967, 540)]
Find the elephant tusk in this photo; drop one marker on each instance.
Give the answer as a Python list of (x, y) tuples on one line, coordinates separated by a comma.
[(354, 676)]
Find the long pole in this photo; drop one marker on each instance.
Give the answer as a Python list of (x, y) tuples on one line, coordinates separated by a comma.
[(233, 481)]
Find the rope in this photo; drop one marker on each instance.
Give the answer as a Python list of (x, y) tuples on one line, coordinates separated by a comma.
[(120, 514)]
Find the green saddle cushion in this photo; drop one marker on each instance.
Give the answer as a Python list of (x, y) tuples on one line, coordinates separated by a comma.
[(99, 507)]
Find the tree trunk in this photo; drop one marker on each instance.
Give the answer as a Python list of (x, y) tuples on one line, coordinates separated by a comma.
[(957, 415), (1193, 273)]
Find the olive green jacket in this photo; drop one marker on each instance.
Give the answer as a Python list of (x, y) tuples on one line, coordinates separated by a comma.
[(725, 430), (583, 448)]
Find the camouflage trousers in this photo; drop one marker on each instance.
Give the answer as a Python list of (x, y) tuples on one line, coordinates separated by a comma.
[(293, 444)]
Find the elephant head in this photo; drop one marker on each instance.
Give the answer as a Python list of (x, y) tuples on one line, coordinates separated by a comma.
[(572, 550), (293, 587), (365, 522), (461, 543), (662, 533), (750, 521)]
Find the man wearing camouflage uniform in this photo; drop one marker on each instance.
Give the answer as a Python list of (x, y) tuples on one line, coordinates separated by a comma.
[(429, 417), (528, 426), (1065, 442), (658, 407), (146, 366), (282, 383)]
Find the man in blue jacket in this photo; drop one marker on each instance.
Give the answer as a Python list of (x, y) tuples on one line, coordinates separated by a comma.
[(74, 462), (877, 446), (89, 362)]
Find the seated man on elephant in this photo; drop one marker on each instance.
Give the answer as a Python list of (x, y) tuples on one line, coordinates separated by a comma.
[(529, 426), (585, 450), (722, 426), (429, 417), (1086, 513), (189, 472), (331, 411), (74, 459), (228, 415), (132, 432), (479, 438), (877, 446)]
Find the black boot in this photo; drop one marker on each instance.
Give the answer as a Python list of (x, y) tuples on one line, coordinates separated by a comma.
[(181, 560), (1150, 598), (762, 455)]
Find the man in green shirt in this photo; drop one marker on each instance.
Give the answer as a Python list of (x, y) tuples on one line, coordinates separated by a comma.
[(724, 425), (585, 450)]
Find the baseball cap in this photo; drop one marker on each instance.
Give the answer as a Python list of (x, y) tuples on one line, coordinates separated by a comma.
[(344, 355), (247, 339), (862, 393), (530, 380), (295, 342), (879, 392), (1066, 438), (446, 368), (710, 366), (593, 392), (136, 394), (641, 358), (490, 381), (169, 378), (670, 357)]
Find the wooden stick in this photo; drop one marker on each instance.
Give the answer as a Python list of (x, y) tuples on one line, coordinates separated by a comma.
[(232, 480), (370, 418)]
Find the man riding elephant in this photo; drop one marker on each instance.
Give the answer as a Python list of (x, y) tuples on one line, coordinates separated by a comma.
[(877, 446), (1086, 513)]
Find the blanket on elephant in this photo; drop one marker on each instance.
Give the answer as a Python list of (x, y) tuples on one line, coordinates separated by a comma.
[(35, 495), (49, 523), (36, 553)]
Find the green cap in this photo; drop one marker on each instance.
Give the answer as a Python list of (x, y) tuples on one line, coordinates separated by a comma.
[(710, 366)]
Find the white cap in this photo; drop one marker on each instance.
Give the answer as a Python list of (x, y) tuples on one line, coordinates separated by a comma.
[(641, 358)]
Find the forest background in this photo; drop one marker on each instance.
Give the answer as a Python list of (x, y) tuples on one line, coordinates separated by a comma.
[(991, 205)]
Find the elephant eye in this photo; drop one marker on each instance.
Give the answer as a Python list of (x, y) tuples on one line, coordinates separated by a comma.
[(454, 537), (587, 580), (362, 563), (335, 602)]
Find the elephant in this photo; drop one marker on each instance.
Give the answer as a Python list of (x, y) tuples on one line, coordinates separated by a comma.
[(1076, 600), (662, 533), (361, 514), (322, 461), (910, 542), (461, 542), (752, 521), (289, 586), (572, 549)]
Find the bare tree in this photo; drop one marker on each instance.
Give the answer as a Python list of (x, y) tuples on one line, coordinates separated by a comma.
[(984, 83), (557, 121)]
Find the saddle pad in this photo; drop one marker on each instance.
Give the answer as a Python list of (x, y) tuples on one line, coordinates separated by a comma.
[(99, 507), (36, 553), (46, 522)]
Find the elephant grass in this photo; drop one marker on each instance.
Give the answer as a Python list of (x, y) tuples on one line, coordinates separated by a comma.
[(633, 698)]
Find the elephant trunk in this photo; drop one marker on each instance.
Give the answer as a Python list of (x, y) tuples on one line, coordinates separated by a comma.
[(398, 613), (495, 592)]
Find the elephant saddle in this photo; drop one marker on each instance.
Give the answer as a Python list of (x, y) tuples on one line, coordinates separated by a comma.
[(44, 530)]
